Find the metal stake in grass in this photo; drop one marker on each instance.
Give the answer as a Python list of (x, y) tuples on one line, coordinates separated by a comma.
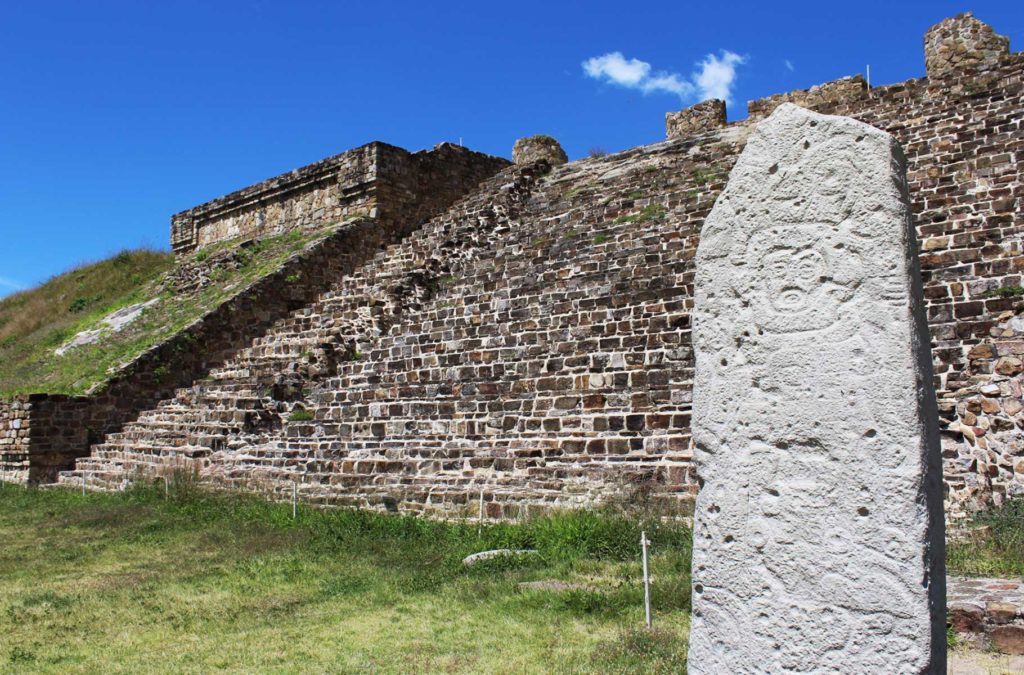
[(295, 501), (85, 479), (167, 488), (647, 580), (480, 520)]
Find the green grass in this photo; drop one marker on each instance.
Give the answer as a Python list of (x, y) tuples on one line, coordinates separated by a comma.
[(705, 176), (1005, 292), (300, 415), (34, 323), (996, 549), (132, 582), (649, 212)]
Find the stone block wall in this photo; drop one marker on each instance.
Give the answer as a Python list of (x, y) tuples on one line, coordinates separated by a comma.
[(705, 116), (417, 185), (542, 351), (14, 439), (962, 44), (844, 89), (43, 435), (412, 188), (596, 409), (377, 179), (63, 428)]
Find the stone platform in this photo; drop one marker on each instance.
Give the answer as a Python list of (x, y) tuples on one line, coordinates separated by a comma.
[(988, 612)]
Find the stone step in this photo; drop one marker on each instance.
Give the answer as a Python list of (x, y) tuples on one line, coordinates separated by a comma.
[(368, 305)]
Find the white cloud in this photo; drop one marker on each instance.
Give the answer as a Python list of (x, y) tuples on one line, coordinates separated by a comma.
[(789, 65), (617, 69), (713, 79), (717, 75), (669, 83)]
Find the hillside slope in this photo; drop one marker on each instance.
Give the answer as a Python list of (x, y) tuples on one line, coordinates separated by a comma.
[(144, 293), (34, 323)]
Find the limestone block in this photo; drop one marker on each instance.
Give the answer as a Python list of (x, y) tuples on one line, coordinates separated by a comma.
[(818, 530)]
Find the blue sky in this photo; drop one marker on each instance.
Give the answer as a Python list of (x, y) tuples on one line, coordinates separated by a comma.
[(114, 115)]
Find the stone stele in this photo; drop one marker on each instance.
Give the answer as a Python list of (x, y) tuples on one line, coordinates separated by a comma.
[(819, 529)]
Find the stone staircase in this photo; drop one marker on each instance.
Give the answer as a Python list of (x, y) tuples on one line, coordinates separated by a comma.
[(530, 345), (252, 394)]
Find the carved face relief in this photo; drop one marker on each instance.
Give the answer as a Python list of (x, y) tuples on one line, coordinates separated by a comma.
[(794, 282), (793, 278)]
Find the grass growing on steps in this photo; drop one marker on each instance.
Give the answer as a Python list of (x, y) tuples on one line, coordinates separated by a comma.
[(34, 323), (995, 548), (135, 583)]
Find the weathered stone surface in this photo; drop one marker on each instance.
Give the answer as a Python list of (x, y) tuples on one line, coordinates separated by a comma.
[(819, 530), (844, 89), (1008, 639), (987, 612), (475, 558), (1001, 612), (962, 44), (536, 148), (115, 321), (553, 585), (377, 179), (705, 116), (966, 617)]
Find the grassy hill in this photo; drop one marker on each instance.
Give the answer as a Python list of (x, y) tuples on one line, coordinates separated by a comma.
[(35, 323)]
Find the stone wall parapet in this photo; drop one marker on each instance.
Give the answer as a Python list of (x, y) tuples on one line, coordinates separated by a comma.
[(963, 44), (848, 88), (359, 182), (704, 116)]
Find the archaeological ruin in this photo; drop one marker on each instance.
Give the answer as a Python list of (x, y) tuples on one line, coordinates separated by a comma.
[(522, 330)]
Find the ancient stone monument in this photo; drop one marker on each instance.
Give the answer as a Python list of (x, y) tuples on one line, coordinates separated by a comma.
[(819, 529), (528, 329)]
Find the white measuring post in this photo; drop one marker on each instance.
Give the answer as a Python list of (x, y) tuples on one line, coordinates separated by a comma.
[(647, 580), (167, 488), (85, 479), (295, 501), (480, 519)]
